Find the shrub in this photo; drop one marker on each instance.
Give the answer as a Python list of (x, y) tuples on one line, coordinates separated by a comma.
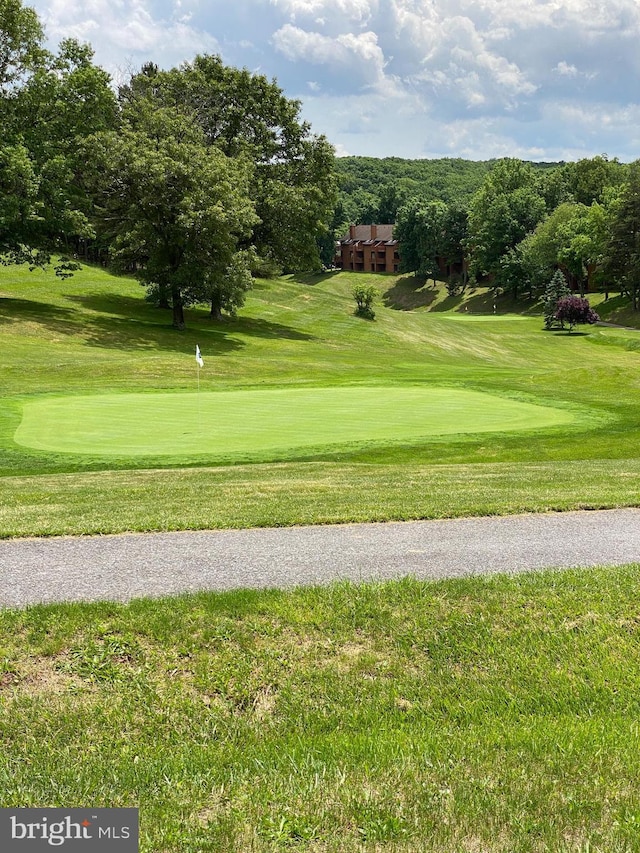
[(364, 296)]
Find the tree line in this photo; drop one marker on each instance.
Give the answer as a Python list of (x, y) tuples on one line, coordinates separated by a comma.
[(522, 224), (194, 179)]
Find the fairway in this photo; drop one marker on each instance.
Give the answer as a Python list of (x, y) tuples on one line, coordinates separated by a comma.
[(268, 421)]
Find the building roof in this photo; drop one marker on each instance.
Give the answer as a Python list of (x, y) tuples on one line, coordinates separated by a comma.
[(364, 232)]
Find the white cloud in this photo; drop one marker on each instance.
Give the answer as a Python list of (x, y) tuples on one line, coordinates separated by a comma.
[(127, 31), (478, 78), (354, 56), (459, 64), (565, 70), (323, 11)]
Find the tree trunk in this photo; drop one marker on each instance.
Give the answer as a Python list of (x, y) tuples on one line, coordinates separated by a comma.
[(216, 309), (178, 309)]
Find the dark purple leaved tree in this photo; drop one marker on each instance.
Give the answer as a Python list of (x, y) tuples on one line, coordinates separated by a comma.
[(575, 310)]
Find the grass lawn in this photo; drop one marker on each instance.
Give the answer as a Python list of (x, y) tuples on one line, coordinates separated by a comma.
[(305, 412), (496, 715), (230, 423)]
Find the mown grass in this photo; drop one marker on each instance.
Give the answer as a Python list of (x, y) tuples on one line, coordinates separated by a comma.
[(491, 715), (95, 334), (496, 714)]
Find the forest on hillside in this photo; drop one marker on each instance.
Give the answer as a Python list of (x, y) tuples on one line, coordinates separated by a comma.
[(373, 189)]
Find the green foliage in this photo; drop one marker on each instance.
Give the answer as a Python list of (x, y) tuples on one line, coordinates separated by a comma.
[(556, 289), (622, 250), (373, 189), (20, 44), (172, 208), (508, 206), (589, 179), (431, 234), (365, 296), (293, 186), (48, 103)]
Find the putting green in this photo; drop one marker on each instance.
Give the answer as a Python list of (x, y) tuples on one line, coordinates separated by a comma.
[(271, 421)]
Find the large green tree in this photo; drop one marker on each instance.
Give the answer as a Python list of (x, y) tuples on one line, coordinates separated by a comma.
[(47, 104), (293, 184), (419, 231), (173, 209), (622, 251), (588, 180), (505, 209)]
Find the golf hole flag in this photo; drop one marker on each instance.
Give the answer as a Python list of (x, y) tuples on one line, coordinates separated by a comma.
[(199, 357)]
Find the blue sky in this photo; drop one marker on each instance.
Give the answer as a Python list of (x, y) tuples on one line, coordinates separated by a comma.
[(537, 79)]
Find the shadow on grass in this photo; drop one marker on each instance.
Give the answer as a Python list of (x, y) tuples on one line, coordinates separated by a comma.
[(255, 327), (115, 304), (113, 332), (53, 317), (313, 278), (409, 293), (121, 322), (483, 301), (135, 310)]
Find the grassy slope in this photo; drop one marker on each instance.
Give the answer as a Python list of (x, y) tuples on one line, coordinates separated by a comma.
[(94, 333)]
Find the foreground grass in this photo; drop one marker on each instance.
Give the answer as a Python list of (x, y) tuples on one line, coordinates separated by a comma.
[(307, 493), (496, 714)]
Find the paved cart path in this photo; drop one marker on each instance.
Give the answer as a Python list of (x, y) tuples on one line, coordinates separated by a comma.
[(128, 566)]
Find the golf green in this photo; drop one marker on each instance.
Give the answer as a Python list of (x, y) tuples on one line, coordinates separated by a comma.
[(271, 421)]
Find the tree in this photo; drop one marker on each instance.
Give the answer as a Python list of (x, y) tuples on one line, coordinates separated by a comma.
[(573, 236), (21, 38), (588, 179), (364, 296), (574, 310), (47, 103), (583, 239), (622, 252), (420, 232), (556, 290), (455, 234), (293, 184), (507, 207), (173, 209)]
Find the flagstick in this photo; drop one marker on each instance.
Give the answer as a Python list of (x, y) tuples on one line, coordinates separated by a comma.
[(199, 412), (199, 363)]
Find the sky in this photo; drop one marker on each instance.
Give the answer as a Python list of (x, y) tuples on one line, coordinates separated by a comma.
[(542, 80)]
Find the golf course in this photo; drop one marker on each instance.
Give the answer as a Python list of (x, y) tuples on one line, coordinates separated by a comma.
[(297, 398), (493, 714)]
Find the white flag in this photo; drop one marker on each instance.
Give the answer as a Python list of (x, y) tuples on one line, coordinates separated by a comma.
[(199, 357)]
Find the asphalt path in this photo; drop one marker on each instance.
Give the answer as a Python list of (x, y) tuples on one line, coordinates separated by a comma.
[(122, 567)]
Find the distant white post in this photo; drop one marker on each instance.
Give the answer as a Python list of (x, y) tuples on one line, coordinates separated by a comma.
[(199, 363)]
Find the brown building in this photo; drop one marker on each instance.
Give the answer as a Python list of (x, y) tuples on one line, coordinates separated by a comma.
[(368, 248)]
